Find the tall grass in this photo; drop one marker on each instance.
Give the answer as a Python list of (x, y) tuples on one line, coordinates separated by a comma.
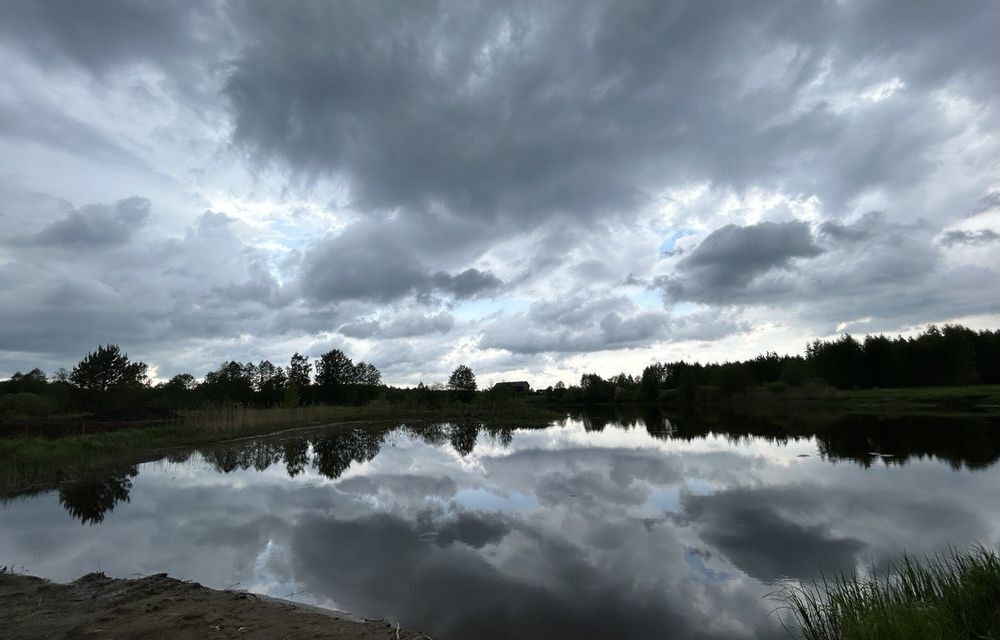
[(236, 419), (29, 461), (945, 597)]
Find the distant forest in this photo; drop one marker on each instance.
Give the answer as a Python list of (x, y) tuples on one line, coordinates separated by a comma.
[(106, 379)]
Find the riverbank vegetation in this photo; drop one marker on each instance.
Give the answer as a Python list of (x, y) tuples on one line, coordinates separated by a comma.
[(30, 459), (949, 597), (106, 405), (948, 368)]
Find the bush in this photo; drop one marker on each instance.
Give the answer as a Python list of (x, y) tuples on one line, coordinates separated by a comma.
[(27, 405)]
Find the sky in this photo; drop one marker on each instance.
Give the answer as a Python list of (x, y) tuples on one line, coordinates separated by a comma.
[(535, 189)]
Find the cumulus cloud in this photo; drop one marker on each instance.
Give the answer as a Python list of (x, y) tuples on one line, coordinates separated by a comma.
[(368, 262), (732, 257), (872, 268), (94, 226), (470, 283), (98, 288)]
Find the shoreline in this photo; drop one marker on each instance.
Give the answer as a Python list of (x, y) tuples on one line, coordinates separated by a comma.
[(158, 606), (31, 461)]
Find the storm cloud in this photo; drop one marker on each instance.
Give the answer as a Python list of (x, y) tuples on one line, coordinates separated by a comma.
[(535, 189), (94, 226), (730, 258)]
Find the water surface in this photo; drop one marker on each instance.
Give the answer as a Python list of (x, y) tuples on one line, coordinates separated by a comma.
[(594, 527)]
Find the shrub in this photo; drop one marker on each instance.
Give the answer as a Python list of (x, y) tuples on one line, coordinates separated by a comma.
[(26, 404)]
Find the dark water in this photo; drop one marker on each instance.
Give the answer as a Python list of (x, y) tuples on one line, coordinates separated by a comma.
[(595, 528)]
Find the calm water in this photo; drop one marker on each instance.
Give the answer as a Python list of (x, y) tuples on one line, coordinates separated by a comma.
[(592, 528)]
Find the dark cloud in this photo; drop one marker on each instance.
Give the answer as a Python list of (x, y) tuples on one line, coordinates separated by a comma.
[(766, 543), (522, 109), (94, 226), (470, 283), (729, 259), (892, 273), (474, 529), (366, 550), (361, 263), (960, 237), (101, 35), (856, 232), (367, 261), (88, 279)]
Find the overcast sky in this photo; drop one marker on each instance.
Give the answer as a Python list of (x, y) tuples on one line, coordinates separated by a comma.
[(537, 189)]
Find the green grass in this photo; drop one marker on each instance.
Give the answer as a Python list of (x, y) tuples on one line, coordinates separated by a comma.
[(27, 462), (941, 398), (948, 597), (959, 400)]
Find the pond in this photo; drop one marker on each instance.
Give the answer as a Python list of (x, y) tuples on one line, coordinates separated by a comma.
[(613, 527)]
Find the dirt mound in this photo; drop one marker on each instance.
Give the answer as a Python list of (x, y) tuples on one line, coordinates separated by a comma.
[(96, 606)]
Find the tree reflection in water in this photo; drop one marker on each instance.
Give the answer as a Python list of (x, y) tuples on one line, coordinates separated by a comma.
[(92, 499), (865, 440)]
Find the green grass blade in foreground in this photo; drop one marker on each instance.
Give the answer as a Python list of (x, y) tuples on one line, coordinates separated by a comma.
[(951, 596)]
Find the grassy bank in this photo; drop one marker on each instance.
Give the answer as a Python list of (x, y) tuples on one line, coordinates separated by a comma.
[(950, 597), (959, 400), (30, 461)]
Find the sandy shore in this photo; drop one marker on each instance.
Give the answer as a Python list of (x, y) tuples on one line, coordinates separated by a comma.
[(96, 606)]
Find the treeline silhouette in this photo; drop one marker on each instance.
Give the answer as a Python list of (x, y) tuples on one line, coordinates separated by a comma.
[(949, 356), (107, 383), (113, 387)]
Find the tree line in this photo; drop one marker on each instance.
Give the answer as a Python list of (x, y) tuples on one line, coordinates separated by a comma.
[(107, 379), (948, 356)]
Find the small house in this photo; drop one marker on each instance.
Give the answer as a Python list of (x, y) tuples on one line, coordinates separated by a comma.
[(518, 386)]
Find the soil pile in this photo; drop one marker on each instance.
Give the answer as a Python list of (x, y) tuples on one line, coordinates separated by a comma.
[(96, 606)]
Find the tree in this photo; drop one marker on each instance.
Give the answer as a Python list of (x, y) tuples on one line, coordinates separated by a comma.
[(367, 375), (270, 384), (231, 382), (596, 389), (333, 369), (652, 378), (179, 390), (182, 382), (90, 499), (794, 372), (733, 378), (108, 369), (299, 371), (463, 382)]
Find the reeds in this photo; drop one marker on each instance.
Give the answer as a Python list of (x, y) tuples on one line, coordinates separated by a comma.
[(955, 595), (235, 418), (30, 461)]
